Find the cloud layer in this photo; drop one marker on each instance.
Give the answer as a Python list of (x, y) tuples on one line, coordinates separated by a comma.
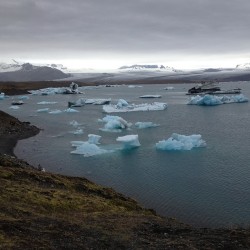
[(160, 28)]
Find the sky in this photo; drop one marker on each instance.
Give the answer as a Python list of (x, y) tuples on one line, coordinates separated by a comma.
[(106, 34)]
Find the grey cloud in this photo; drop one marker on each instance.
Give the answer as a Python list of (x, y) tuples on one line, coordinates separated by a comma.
[(142, 26)]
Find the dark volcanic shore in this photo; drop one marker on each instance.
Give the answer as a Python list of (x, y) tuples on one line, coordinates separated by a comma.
[(40, 210)]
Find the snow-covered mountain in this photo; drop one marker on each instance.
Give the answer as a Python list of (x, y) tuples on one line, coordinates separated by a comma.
[(148, 67), (16, 71)]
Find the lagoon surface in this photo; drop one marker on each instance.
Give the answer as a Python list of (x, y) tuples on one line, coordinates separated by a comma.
[(206, 187)]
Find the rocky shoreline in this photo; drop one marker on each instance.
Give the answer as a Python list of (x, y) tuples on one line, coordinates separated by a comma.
[(40, 210)]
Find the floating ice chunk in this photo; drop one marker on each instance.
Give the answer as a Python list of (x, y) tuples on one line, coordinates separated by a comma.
[(43, 110), (14, 107), (87, 149), (79, 103), (156, 106), (46, 103), (181, 142), (77, 143), (115, 123), (150, 96), (129, 141), (206, 100), (212, 100), (169, 88), (94, 139), (78, 132), (69, 110), (146, 125), (24, 97), (134, 86), (122, 103), (55, 112), (98, 101), (75, 123), (2, 96)]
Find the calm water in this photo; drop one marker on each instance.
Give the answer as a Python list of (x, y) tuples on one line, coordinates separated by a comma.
[(203, 187)]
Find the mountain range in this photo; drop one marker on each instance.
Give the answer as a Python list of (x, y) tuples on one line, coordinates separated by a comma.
[(141, 73)]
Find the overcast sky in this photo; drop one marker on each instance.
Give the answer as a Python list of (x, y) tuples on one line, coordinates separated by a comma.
[(112, 33)]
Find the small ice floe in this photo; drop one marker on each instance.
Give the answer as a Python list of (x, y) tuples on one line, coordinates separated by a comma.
[(142, 125), (122, 103), (94, 139), (2, 96), (134, 86), (55, 112), (79, 103), (89, 148), (129, 141), (23, 97), (98, 101), (114, 123), (74, 123), (45, 110), (46, 103), (14, 107), (20, 102), (70, 110), (150, 96), (212, 100), (79, 131), (169, 88), (156, 106), (181, 142)]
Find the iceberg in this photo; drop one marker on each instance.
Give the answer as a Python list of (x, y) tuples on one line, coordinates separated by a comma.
[(46, 103), (98, 101), (142, 125), (181, 142), (69, 110), (150, 96), (55, 112), (156, 106), (2, 96), (122, 103), (74, 123), (129, 141), (94, 139), (169, 88), (213, 100), (43, 110), (14, 107), (89, 148), (77, 132), (114, 123)]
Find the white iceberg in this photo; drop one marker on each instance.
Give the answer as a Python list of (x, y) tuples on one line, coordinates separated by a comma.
[(142, 125), (70, 110), (122, 103), (89, 149), (114, 123), (77, 132), (75, 123), (150, 96), (129, 141), (94, 139), (45, 110), (98, 101), (169, 88), (212, 100), (14, 107), (55, 112), (2, 96), (181, 142), (46, 103), (156, 106)]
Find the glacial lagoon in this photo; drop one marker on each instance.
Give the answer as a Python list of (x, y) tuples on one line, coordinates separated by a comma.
[(206, 187)]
